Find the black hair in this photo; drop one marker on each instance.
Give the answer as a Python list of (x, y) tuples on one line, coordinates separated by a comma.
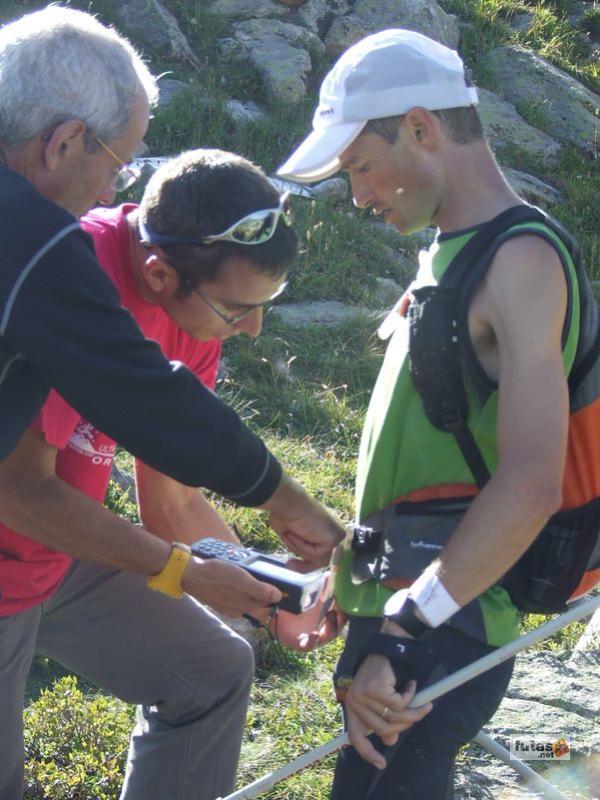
[(204, 192)]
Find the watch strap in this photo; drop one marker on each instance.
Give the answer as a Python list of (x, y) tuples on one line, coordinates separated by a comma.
[(168, 580), (409, 658), (396, 649)]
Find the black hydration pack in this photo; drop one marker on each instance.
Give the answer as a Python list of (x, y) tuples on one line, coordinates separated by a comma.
[(564, 560)]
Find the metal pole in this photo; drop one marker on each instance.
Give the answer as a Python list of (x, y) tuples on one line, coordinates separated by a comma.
[(579, 609)]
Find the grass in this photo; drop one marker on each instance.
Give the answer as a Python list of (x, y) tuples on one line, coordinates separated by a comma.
[(304, 390), (591, 21), (550, 35)]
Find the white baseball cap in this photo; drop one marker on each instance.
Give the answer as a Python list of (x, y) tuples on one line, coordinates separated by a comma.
[(383, 75)]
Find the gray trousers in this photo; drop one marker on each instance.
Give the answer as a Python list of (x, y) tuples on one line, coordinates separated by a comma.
[(189, 673)]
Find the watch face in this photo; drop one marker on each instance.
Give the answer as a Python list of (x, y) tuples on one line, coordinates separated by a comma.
[(395, 603)]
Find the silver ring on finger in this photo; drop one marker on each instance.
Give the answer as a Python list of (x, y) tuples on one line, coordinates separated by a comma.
[(385, 712)]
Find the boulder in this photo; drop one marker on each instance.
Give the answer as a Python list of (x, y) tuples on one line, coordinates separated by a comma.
[(386, 293), (522, 22), (329, 313), (589, 27), (242, 9), (504, 126), (561, 106), (168, 90), (334, 189), (531, 188), (370, 16), (317, 15), (124, 480), (152, 25), (244, 111), (548, 698), (277, 50)]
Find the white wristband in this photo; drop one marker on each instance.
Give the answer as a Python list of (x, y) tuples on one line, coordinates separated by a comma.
[(432, 599)]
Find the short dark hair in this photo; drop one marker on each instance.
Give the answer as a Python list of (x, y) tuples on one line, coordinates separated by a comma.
[(462, 125), (203, 192)]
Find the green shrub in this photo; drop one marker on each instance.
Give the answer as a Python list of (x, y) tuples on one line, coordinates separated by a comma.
[(75, 746)]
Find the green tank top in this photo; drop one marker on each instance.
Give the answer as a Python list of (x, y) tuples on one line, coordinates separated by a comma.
[(401, 452)]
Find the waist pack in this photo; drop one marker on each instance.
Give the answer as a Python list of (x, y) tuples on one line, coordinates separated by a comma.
[(396, 544), (564, 560)]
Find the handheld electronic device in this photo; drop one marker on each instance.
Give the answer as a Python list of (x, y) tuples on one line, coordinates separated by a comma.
[(300, 590)]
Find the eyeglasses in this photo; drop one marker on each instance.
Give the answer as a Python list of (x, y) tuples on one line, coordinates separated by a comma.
[(127, 175), (239, 317), (255, 228)]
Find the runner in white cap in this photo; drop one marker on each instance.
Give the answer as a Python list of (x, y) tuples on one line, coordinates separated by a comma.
[(422, 586)]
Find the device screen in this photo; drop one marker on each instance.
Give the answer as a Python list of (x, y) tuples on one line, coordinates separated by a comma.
[(267, 568)]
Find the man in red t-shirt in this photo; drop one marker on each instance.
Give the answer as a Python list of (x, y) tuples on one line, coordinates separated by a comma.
[(84, 455), (190, 278)]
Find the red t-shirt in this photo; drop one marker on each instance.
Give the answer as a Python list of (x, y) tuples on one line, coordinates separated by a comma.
[(29, 571)]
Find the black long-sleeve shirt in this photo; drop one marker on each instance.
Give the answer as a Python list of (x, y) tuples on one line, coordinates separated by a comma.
[(62, 326)]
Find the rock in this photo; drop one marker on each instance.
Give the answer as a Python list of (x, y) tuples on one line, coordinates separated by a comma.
[(334, 189), (532, 189), (479, 776), (587, 649), (562, 107), (277, 50), (505, 126), (244, 111), (318, 15), (245, 10), (151, 24), (521, 22), (320, 312), (168, 89), (370, 16), (124, 480), (592, 45), (386, 293), (547, 698), (549, 683), (578, 11)]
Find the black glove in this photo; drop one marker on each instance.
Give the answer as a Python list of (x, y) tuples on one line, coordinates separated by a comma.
[(409, 658)]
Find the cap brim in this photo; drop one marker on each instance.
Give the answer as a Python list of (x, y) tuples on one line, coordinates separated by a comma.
[(318, 155)]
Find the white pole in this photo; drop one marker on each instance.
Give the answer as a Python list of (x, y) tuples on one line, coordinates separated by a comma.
[(532, 779), (579, 609)]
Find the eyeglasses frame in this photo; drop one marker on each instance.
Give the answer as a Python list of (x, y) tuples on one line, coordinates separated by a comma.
[(226, 319), (127, 175)]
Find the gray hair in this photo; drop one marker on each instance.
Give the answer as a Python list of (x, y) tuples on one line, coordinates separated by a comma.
[(58, 64)]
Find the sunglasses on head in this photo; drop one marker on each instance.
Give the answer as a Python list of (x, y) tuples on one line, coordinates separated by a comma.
[(255, 228)]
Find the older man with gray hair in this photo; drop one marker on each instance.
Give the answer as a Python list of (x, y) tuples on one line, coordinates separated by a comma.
[(74, 106)]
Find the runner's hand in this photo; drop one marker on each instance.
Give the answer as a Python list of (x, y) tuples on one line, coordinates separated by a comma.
[(313, 628), (372, 692)]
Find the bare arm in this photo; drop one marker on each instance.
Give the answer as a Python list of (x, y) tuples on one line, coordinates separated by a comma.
[(176, 512), (35, 502), (525, 301)]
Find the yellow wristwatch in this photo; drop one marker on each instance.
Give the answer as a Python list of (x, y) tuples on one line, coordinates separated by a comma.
[(168, 581)]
